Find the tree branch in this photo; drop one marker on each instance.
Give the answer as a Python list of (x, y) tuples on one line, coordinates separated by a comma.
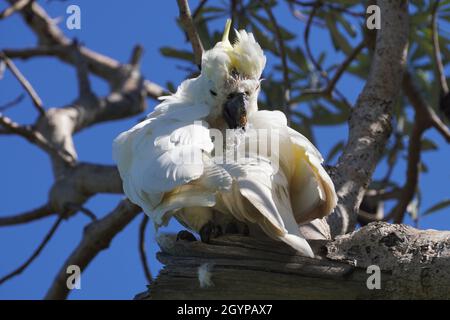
[(35, 254), (189, 27), (413, 264), (37, 102), (440, 75), (370, 121), (142, 254), (35, 214), (97, 236), (283, 57), (13, 8), (36, 138)]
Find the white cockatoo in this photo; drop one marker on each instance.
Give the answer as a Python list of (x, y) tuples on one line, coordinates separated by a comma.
[(172, 163)]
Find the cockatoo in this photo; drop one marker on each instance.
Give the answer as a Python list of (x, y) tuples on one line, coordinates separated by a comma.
[(172, 163)]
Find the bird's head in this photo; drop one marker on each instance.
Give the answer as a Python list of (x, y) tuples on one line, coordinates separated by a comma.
[(232, 73)]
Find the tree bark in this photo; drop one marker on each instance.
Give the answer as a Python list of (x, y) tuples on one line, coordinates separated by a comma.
[(414, 264)]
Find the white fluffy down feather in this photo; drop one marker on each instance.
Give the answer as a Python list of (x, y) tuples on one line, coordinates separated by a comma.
[(169, 163)]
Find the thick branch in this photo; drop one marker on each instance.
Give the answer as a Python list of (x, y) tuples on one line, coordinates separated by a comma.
[(370, 121), (414, 265), (440, 74)]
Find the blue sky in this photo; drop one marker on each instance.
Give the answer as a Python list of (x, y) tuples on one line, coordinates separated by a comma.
[(113, 28)]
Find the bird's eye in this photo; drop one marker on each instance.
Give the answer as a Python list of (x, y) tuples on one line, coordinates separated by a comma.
[(213, 93), (247, 93)]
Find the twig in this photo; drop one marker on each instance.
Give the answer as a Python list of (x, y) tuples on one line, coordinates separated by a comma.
[(424, 118), (17, 6), (412, 172), (24, 82), (421, 107), (35, 254), (283, 57), (142, 253), (35, 214), (96, 237), (198, 9), (84, 85), (136, 56), (440, 75), (189, 27), (328, 90), (306, 37), (12, 103), (36, 138)]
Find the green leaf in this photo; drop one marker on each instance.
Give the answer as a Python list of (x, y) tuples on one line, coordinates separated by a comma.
[(427, 145), (177, 54), (339, 40), (438, 206), (285, 34)]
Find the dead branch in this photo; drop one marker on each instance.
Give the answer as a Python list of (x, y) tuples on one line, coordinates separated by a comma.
[(189, 27), (35, 254), (13, 8), (142, 253), (97, 236), (37, 102), (32, 215), (37, 139), (283, 57)]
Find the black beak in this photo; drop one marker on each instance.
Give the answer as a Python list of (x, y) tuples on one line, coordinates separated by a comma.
[(234, 110)]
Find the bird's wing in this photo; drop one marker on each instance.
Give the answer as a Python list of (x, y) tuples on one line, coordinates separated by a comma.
[(267, 191), (313, 193), (160, 155), (311, 189)]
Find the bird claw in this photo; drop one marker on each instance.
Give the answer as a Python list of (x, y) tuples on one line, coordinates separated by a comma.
[(186, 236), (237, 228), (210, 231)]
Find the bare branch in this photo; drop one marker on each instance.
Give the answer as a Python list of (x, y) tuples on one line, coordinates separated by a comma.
[(440, 75), (142, 254), (35, 254), (424, 118), (198, 9), (136, 56), (421, 107), (13, 8), (283, 57), (12, 103), (328, 90), (84, 85), (53, 42), (97, 237), (36, 138), (412, 171), (189, 27), (35, 214), (24, 83), (313, 12)]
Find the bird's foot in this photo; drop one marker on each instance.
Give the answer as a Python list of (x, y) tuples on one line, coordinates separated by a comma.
[(236, 227), (186, 236), (210, 231)]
